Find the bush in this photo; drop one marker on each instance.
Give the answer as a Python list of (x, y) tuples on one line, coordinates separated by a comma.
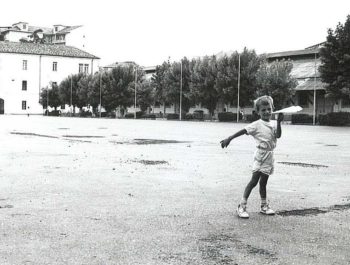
[(172, 116), (334, 119), (252, 117), (302, 119), (53, 113), (84, 113), (228, 116), (189, 116), (130, 115), (198, 115), (148, 116)]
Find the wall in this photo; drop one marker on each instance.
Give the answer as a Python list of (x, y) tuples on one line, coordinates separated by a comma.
[(12, 75)]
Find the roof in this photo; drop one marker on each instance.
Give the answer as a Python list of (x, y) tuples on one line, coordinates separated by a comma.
[(68, 29), (310, 84), (45, 30), (292, 53), (305, 68), (44, 49)]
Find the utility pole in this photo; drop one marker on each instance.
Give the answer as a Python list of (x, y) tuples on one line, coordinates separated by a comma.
[(100, 93), (239, 77), (180, 90), (314, 111), (71, 94), (135, 92)]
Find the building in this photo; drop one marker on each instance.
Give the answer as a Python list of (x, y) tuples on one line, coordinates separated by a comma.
[(27, 68), (58, 34), (310, 88)]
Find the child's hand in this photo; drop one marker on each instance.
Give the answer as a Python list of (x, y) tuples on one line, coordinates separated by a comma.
[(280, 117), (224, 143)]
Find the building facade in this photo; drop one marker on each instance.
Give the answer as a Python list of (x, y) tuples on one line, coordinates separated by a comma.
[(27, 68), (58, 34)]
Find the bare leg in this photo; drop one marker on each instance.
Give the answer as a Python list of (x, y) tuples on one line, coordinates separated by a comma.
[(252, 183), (263, 182)]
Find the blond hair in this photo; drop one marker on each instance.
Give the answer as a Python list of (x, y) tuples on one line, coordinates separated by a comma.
[(263, 100)]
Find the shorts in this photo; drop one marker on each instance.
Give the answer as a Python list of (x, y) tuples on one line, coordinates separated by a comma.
[(263, 161)]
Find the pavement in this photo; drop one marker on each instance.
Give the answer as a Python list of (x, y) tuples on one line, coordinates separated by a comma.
[(111, 191)]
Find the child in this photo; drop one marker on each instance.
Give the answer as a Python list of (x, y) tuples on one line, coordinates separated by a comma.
[(265, 133)]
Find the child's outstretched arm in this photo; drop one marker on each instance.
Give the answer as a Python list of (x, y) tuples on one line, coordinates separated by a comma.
[(279, 129), (224, 143)]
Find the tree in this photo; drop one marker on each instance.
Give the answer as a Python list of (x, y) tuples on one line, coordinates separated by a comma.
[(204, 83), (275, 80), (118, 87), (335, 58), (68, 90), (50, 97), (158, 81)]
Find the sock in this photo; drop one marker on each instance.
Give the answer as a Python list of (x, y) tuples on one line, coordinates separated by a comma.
[(243, 201), (263, 201)]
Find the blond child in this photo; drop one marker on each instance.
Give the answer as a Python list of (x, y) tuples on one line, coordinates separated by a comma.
[(265, 132)]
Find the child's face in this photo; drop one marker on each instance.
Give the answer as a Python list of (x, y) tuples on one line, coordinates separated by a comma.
[(265, 112)]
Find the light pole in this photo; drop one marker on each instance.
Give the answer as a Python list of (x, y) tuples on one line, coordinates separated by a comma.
[(180, 90), (100, 93), (239, 77), (135, 92), (47, 103), (71, 94), (314, 110)]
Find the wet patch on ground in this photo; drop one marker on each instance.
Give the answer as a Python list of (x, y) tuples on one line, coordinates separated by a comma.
[(331, 145), (149, 141), (33, 134), (221, 249), (151, 162), (83, 136), (315, 210), (6, 206), (63, 128), (299, 164)]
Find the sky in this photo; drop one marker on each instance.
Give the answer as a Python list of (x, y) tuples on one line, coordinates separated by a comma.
[(150, 32)]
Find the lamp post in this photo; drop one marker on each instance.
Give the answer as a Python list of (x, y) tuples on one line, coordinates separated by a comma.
[(180, 90), (239, 77), (135, 92), (314, 110), (71, 93), (100, 94), (47, 103)]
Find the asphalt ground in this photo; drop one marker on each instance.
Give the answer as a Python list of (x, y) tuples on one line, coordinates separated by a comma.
[(109, 191)]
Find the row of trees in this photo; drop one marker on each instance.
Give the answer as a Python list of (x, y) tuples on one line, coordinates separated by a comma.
[(208, 80)]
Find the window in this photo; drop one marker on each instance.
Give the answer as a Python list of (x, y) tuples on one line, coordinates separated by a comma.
[(345, 102), (24, 26), (56, 28), (86, 68), (24, 85), (24, 105), (25, 65), (54, 66), (303, 98), (63, 106), (81, 68)]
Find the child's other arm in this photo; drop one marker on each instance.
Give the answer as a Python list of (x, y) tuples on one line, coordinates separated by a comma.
[(224, 143), (279, 129)]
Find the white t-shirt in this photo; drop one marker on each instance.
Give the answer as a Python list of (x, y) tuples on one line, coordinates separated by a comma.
[(264, 133)]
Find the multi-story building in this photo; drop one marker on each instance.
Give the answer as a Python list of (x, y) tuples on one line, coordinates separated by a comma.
[(310, 91), (58, 34), (27, 68)]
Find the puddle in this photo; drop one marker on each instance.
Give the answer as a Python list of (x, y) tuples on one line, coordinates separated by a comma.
[(83, 136), (302, 164), (315, 211), (331, 145), (63, 128), (34, 134), (152, 162), (149, 141), (302, 212), (221, 248), (6, 206)]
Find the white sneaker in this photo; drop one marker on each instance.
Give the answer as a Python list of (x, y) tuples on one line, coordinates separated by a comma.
[(265, 209), (242, 211)]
